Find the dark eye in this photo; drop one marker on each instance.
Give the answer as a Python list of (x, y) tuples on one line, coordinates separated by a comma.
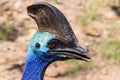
[(37, 45), (52, 44)]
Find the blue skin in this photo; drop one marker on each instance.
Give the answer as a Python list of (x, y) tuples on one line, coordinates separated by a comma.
[(38, 58)]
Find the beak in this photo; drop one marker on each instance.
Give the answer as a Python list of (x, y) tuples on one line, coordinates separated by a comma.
[(78, 53)]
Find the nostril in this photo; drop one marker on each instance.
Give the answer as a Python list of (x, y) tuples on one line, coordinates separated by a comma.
[(83, 50), (87, 50)]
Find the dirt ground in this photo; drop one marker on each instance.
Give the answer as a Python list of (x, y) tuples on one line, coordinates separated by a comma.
[(93, 27)]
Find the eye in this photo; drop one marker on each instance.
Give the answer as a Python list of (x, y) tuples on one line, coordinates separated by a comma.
[(37, 45), (52, 44)]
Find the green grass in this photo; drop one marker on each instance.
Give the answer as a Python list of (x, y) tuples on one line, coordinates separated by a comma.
[(89, 18), (5, 31), (84, 66), (116, 1), (91, 13), (111, 50), (57, 1)]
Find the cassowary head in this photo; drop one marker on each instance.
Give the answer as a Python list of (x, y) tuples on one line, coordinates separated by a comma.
[(53, 41)]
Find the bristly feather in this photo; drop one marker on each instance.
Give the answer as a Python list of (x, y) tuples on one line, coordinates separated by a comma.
[(50, 19)]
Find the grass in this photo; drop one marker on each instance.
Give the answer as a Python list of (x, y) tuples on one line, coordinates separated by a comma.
[(111, 50), (114, 27), (89, 18), (79, 66), (57, 1), (5, 31), (91, 13), (116, 1)]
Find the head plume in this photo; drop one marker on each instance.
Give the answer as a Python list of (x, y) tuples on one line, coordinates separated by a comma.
[(50, 19)]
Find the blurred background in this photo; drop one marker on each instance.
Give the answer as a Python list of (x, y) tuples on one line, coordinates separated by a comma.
[(96, 24)]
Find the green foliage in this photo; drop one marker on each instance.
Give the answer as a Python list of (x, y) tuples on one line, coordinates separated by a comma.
[(5, 31), (111, 50)]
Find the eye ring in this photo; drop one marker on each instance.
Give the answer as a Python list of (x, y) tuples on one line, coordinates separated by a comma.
[(52, 44), (37, 45)]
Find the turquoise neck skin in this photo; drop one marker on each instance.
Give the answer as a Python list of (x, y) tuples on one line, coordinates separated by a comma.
[(38, 59)]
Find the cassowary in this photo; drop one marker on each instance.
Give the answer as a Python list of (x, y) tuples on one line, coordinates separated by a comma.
[(53, 41)]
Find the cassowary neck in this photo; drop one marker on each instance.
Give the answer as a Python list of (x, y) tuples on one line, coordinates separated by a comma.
[(35, 68)]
